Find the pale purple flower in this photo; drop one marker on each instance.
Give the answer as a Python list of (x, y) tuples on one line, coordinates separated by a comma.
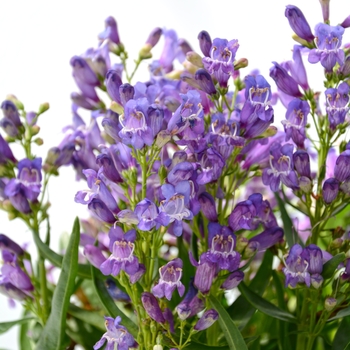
[(116, 336), (207, 319), (170, 279)]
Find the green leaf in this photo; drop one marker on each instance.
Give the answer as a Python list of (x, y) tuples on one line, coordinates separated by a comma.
[(232, 334), (24, 341), (265, 306), (53, 334), (56, 259), (342, 313), (5, 326), (200, 346), (289, 233), (342, 337), (109, 304), (88, 316), (241, 310), (330, 266)]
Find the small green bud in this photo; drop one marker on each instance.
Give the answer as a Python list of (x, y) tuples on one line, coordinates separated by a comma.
[(194, 58), (145, 52), (174, 75), (34, 130), (337, 243), (116, 107), (191, 68), (39, 141), (162, 173), (241, 243), (241, 63), (43, 107)]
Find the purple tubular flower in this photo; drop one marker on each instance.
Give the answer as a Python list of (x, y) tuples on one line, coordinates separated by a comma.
[(268, 238), (147, 213), (116, 336), (330, 190), (175, 206), (298, 23), (94, 255), (170, 276), (10, 112), (328, 42), (205, 273), (100, 209), (233, 280), (28, 179), (281, 168), (346, 23), (301, 161), (152, 308), (111, 31), (207, 319), (219, 63), (337, 104), (154, 37), (284, 81), (10, 245), (296, 269), (113, 83), (169, 50), (122, 258), (5, 152), (83, 72), (12, 292), (98, 189), (325, 10), (205, 43), (296, 120), (126, 92), (17, 277), (135, 122), (313, 255), (208, 208), (205, 82), (107, 167), (256, 114), (251, 213), (342, 166), (222, 242)]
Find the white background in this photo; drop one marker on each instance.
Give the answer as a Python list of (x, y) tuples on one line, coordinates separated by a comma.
[(38, 38)]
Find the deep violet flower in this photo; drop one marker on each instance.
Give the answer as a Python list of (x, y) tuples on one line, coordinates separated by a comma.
[(298, 23)]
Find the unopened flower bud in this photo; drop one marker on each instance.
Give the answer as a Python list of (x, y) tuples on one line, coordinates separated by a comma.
[(316, 280), (330, 190), (39, 141), (325, 10), (157, 347), (205, 42), (241, 63), (298, 23), (194, 58), (337, 243), (151, 306), (116, 107), (43, 108), (208, 318), (330, 303)]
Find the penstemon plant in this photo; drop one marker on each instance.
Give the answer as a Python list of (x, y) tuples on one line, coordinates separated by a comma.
[(190, 189)]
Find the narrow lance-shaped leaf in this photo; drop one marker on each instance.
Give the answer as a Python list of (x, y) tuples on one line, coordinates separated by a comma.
[(232, 334), (56, 259), (265, 306), (53, 334), (290, 234), (5, 326), (342, 337), (109, 304), (331, 265)]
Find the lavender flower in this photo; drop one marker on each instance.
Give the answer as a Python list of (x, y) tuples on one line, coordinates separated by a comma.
[(281, 168), (122, 258), (170, 276), (296, 269), (111, 31), (328, 42), (337, 104), (152, 308), (116, 335), (295, 122), (342, 166), (330, 190), (219, 63)]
